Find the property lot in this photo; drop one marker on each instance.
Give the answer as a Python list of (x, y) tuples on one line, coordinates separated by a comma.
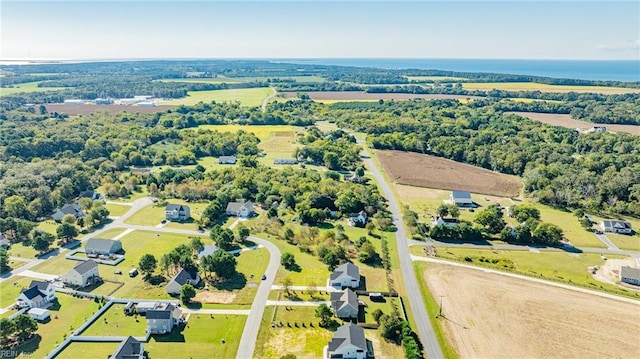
[(247, 97), (566, 121), (77, 350), (115, 323), (117, 210), (532, 86), (361, 95), (434, 172), (491, 316)]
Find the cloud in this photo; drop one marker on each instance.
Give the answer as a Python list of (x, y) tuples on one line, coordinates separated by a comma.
[(621, 46)]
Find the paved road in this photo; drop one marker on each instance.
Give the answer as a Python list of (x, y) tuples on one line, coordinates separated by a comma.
[(266, 100), (424, 327), (523, 277), (252, 325), (603, 238)]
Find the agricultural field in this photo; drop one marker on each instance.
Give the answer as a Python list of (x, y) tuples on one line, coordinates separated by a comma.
[(263, 132), (77, 350), (342, 96), (433, 172), (567, 122), (247, 97), (75, 110), (532, 86), (491, 316), (26, 87), (219, 334)]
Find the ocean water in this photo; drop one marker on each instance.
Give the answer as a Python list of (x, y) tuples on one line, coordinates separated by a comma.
[(607, 70)]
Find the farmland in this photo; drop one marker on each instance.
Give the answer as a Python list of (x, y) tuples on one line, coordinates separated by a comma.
[(26, 87), (532, 86), (359, 95), (263, 132), (487, 316), (428, 171), (566, 121), (231, 80), (74, 110), (247, 97)]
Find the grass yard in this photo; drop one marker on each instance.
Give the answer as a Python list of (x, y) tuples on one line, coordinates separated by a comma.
[(573, 231), (111, 233), (117, 210), (247, 97), (58, 265), (140, 192), (15, 264), (48, 226), (202, 334), (152, 215), (26, 87), (71, 313), (518, 86), (10, 289), (627, 242), (263, 132), (571, 268), (77, 350), (386, 307), (22, 250), (115, 323)]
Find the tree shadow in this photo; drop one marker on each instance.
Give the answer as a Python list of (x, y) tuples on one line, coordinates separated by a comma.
[(193, 305), (156, 279), (175, 336), (238, 281), (294, 268), (27, 347), (325, 225)]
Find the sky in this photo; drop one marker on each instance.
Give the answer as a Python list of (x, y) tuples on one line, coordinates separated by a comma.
[(91, 29)]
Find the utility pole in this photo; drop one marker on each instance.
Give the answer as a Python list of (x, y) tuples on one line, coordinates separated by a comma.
[(439, 315)]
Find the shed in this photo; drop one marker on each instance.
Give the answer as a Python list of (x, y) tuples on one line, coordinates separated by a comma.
[(39, 314)]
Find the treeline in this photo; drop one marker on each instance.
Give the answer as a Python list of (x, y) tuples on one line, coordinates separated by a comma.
[(561, 168), (336, 150)]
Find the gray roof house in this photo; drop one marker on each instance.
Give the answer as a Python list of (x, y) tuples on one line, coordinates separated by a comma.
[(38, 295), (181, 278), (69, 208), (345, 304), (90, 194), (348, 342), (130, 348), (616, 227), (102, 246), (461, 198), (358, 219), (4, 242), (83, 274), (177, 212), (240, 209), (207, 250), (630, 275), (227, 160), (162, 319), (345, 275)]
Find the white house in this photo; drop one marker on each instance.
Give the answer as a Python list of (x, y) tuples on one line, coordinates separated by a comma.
[(83, 274), (227, 160), (448, 222), (129, 348), (345, 275), (240, 209), (38, 295), (630, 275), (177, 212), (345, 304), (39, 314), (621, 227), (181, 278), (162, 319), (461, 198), (348, 342), (102, 246), (358, 219)]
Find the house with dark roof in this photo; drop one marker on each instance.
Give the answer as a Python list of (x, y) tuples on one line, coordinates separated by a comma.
[(348, 342), (69, 208), (227, 160), (181, 278), (345, 304), (129, 348), (93, 195), (240, 209), (102, 246), (345, 275), (461, 198), (83, 274), (177, 212), (358, 219), (207, 250), (620, 227), (630, 275), (38, 295), (440, 221), (162, 319)]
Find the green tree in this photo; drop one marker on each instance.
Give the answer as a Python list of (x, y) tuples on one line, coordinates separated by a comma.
[(66, 232), (25, 326), (68, 218), (491, 219), (41, 240), (324, 313), (390, 327), (85, 203), (523, 212), (187, 292), (7, 328), (443, 210), (586, 223), (224, 264), (15, 206), (377, 314), (243, 233), (331, 160), (147, 264), (548, 234), (289, 235), (286, 284), (4, 261), (196, 244), (288, 260)]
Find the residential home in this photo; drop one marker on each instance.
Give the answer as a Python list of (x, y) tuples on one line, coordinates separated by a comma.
[(162, 319), (448, 222), (69, 208), (348, 342), (177, 212), (630, 275), (358, 219), (345, 275), (83, 274), (144, 307), (90, 194), (102, 246), (285, 161), (181, 278), (461, 198), (38, 295), (240, 209), (227, 160), (4, 242), (345, 304), (129, 348), (354, 178), (207, 250), (621, 227)]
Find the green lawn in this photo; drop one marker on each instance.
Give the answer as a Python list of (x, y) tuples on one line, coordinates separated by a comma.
[(202, 337), (117, 210), (77, 350), (117, 324), (57, 265), (10, 289), (65, 318), (152, 215), (386, 307), (111, 233), (247, 97), (622, 241), (139, 193), (571, 268), (22, 250), (48, 226), (569, 223), (26, 87)]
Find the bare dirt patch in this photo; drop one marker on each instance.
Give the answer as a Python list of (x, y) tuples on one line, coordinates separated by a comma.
[(555, 119), (213, 297), (361, 95), (73, 110), (609, 272), (492, 316), (421, 170)]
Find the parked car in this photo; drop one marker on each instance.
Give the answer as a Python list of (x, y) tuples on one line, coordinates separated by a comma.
[(117, 271), (264, 276)]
